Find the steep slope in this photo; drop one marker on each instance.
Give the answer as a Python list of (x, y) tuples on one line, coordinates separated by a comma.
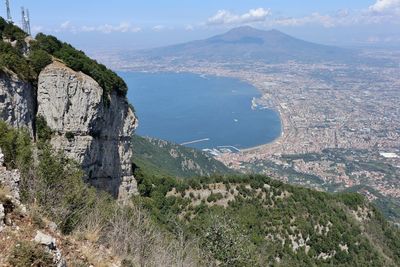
[(81, 105), (50, 217), (247, 43), (166, 158), (95, 133), (257, 221), (16, 100)]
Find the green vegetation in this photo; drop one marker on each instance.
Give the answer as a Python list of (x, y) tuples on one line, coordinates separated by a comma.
[(11, 32), (78, 61), (30, 254), (237, 220), (43, 131), (39, 59), (214, 197), (164, 158), (16, 147), (269, 223), (11, 56), (55, 183), (52, 187), (40, 55), (361, 166), (69, 135)]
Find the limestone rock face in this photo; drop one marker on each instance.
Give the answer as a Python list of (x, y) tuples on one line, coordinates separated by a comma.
[(10, 179), (92, 129), (16, 101)]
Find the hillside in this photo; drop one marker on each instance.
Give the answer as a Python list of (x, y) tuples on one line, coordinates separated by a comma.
[(247, 43), (48, 214), (257, 221), (162, 157)]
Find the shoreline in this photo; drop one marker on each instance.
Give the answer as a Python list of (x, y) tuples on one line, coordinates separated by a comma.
[(283, 121)]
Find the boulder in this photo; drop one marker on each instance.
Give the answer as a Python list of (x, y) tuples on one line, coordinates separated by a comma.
[(45, 240)]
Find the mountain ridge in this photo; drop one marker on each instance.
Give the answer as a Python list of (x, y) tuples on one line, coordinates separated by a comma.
[(248, 43)]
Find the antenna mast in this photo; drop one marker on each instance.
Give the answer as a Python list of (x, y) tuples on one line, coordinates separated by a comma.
[(26, 24), (23, 19), (9, 19)]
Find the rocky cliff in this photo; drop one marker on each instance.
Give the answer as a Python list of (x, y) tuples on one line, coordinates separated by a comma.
[(16, 100), (93, 129)]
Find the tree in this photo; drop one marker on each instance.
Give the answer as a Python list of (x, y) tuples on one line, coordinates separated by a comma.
[(39, 59)]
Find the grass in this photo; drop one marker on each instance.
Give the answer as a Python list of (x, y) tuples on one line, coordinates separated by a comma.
[(28, 253), (4, 193)]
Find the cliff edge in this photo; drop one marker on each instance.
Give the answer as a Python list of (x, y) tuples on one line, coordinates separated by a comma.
[(94, 130), (82, 102)]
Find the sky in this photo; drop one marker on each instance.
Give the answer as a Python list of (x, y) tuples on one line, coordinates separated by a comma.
[(96, 25)]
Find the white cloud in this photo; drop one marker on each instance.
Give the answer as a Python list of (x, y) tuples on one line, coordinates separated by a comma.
[(340, 18), (381, 12), (226, 17), (384, 6), (326, 21), (65, 25), (123, 27), (158, 28), (189, 27)]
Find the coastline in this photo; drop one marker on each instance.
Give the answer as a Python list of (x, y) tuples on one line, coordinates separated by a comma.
[(273, 147), (277, 133), (284, 121)]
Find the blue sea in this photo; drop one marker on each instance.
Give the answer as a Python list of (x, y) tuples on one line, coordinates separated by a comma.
[(185, 107)]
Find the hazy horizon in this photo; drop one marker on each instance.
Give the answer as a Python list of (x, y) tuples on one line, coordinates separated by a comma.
[(127, 25)]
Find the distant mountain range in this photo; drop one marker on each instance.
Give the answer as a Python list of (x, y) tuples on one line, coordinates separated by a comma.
[(247, 43)]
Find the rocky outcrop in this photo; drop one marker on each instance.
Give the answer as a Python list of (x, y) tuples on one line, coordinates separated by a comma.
[(9, 194), (49, 244), (90, 128), (10, 179), (17, 101)]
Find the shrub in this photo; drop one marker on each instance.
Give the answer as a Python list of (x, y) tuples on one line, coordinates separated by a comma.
[(69, 135), (214, 197), (39, 59), (16, 147), (43, 131), (30, 254), (78, 61), (225, 241), (10, 31), (352, 200), (12, 58)]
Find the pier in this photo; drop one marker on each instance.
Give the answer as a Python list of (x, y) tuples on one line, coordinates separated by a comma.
[(234, 148), (195, 141)]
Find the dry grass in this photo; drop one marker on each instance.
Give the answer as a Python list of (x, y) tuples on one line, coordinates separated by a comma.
[(92, 227), (4, 193)]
